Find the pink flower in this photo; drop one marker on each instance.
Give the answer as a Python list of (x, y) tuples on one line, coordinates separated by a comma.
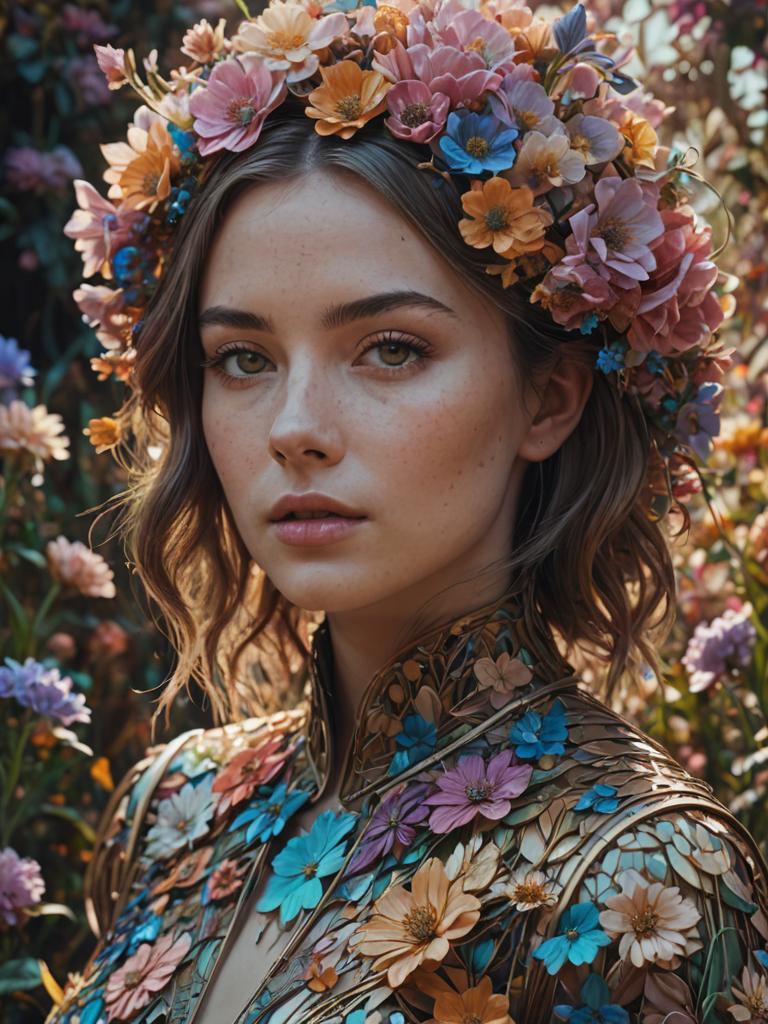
[(462, 77), (230, 111), (616, 239), (475, 788), (226, 879), (678, 308), (570, 292), (502, 677), (111, 62), (248, 769), (21, 885), (143, 974), (417, 114), (472, 32), (99, 228), (102, 307), (75, 565)]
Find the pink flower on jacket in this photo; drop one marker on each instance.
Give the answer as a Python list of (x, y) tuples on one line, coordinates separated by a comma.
[(678, 308), (143, 974), (501, 676), (417, 114), (616, 238), (99, 228), (230, 111), (475, 788), (248, 769)]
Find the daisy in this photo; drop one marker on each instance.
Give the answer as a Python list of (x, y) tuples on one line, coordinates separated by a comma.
[(503, 217), (475, 788), (409, 928), (752, 998), (181, 819), (74, 565), (478, 1004), (652, 919), (230, 111), (248, 769), (348, 98), (142, 975), (526, 889)]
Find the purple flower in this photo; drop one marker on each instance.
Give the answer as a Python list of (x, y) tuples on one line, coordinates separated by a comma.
[(87, 77), (393, 822), (21, 885), (28, 170), (14, 364), (474, 787), (86, 26), (44, 690), (728, 638), (698, 421)]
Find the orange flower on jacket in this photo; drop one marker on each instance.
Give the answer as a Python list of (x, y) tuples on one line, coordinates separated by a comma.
[(348, 98), (504, 217), (409, 928), (248, 769), (478, 1004)]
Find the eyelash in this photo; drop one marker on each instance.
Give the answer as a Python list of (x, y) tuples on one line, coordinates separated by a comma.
[(423, 348)]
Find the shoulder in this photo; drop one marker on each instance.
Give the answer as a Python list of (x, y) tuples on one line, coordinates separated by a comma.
[(178, 773)]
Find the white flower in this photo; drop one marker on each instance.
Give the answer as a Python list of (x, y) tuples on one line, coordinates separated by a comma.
[(181, 819)]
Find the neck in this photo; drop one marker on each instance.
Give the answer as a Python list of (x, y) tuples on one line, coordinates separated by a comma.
[(364, 640)]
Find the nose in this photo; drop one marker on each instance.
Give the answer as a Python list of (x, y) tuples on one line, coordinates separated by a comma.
[(306, 426)]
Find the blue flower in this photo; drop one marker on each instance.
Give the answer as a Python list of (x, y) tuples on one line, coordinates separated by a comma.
[(15, 368), (761, 956), (612, 358), (655, 363), (417, 740), (698, 421), (597, 1008), (589, 323), (535, 736), (297, 869), (578, 939), (146, 931), (600, 798), (268, 815), (473, 143)]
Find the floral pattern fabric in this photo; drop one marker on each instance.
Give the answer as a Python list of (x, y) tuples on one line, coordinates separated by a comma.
[(504, 849)]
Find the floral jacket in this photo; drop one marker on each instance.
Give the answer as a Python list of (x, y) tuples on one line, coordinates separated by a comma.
[(505, 848)]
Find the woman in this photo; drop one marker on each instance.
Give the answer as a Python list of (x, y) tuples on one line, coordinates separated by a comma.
[(393, 458)]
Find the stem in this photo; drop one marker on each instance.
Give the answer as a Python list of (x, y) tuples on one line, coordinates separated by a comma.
[(6, 824), (43, 610)]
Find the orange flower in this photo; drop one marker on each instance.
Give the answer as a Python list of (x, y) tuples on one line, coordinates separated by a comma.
[(103, 432), (410, 928), (101, 773), (387, 18), (186, 872), (248, 769), (348, 98), (531, 264), (119, 363), (642, 141), (503, 217), (477, 1004), (146, 180)]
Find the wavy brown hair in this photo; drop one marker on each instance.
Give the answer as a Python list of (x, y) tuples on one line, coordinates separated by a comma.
[(589, 562)]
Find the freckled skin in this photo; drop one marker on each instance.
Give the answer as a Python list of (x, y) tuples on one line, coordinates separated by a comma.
[(432, 456)]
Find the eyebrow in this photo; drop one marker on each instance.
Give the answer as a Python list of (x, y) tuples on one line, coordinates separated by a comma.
[(333, 316)]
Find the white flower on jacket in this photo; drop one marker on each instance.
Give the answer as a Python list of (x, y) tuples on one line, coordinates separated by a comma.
[(181, 819)]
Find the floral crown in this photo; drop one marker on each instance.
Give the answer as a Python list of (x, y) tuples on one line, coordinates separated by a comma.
[(553, 149)]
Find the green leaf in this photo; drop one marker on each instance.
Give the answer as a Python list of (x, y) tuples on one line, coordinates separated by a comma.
[(29, 555), (17, 975), (21, 47)]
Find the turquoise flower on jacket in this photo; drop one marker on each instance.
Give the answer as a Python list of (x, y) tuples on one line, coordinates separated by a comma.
[(267, 817), (597, 1007), (578, 939), (601, 799), (416, 741), (474, 143), (535, 736), (295, 882)]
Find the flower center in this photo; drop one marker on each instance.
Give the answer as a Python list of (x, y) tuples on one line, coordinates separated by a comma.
[(572, 934), (273, 809), (528, 892), (614, 233), (580, 143), (415, 114), (471, 1018), (349, 108), (478, 792), (181, 825), (242, 110), (282, 41), (645, 924), (525, 118), (477, 45), (132, 979), (310, 869), (496, 218), (420, 922), (149, 184), (477, 146)]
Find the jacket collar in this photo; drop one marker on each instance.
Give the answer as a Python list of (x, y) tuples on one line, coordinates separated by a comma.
[(437, 691)]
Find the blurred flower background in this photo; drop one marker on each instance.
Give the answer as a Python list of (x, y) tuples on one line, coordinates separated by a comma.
[(79, 655)]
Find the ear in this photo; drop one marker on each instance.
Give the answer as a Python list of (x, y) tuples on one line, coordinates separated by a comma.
[(563, 398)]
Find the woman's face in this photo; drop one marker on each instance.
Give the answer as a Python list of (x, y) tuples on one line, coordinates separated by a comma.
[(357, 364)]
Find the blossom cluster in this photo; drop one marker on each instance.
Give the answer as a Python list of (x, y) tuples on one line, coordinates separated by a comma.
[(553, 149), (44, 690)]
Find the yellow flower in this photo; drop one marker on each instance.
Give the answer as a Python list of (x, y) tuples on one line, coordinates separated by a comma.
[(104, 433), (503, 217), (348, 98), (409, 928), (642, 141)]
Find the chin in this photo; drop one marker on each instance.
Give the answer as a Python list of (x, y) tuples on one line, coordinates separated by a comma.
[(329, 588)]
